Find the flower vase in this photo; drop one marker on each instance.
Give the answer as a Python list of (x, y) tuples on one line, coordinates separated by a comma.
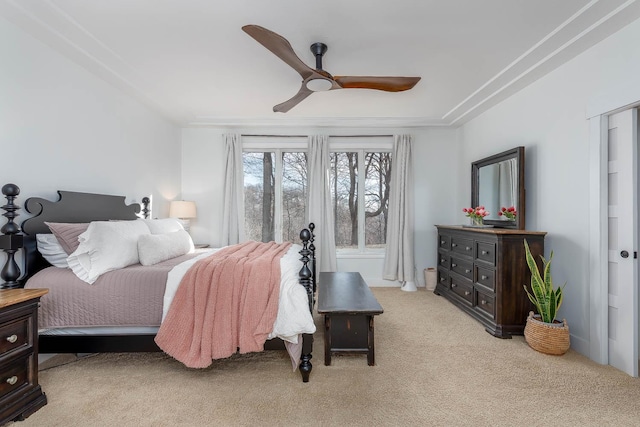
[(476, 221)]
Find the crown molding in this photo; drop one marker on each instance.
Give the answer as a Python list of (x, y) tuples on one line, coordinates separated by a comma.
[(49, 23), (596, 20), (317, 122)]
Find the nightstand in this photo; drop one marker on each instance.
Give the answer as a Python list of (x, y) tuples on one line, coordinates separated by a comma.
[(20, 393), (200, 245)]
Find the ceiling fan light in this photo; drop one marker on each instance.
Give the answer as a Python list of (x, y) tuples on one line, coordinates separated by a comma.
[(319, 85)]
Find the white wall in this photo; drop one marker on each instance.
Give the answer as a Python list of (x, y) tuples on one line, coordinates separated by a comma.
[(203, 166), (549, 119), (437, 186), (62, 128), (436, 183)]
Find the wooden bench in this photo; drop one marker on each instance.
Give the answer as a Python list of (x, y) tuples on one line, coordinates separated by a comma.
[(348, 306)]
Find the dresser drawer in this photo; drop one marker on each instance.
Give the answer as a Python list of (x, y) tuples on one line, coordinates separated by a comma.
[(462, 267), (443, 261), (14, 377), (444, 242), (461, 245), (462, 289), (14, 335), (485, 303), (486, 277), (443, 278), (486, 251)]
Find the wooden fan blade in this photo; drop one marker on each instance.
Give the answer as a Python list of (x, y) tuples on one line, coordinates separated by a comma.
[(289, 104), (279, 46), (389, 84)]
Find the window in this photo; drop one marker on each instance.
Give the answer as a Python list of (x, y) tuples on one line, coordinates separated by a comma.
[(360, 198), (275, 191)]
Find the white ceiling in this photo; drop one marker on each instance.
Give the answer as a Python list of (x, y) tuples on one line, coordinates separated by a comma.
[(190, 60)]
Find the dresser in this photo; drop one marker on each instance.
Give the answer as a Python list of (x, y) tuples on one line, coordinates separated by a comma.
[(482, 271), (20, 393)]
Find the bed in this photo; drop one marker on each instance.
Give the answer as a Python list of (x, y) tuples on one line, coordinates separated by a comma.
[(136, 333)]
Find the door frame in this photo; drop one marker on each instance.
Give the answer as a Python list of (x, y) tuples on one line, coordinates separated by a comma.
[(598, 110)]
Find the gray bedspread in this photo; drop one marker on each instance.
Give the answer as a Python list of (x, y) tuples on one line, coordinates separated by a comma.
[(132, 296)]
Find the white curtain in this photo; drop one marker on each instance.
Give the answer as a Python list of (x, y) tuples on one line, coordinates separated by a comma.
[(319, 209), (399, 259), (233, 201), (508, 182)]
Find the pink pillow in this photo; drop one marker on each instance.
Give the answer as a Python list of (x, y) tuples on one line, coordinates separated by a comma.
[(67, 234)]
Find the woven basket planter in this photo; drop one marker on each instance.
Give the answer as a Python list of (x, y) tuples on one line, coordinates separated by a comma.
[(548, 338)]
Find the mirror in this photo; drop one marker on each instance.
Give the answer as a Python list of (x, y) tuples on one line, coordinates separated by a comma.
[(498, 182)]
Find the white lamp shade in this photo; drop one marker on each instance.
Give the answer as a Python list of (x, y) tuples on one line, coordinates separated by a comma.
[(182, 209)]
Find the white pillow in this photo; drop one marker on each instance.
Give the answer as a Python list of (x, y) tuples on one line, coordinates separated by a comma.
[(155, 248), (51, 250), (106, 246), (163, 226)]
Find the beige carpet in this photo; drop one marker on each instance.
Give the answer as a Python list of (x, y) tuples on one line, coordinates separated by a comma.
[(435, 366)]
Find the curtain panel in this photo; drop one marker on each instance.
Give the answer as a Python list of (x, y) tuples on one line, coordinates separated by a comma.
[(233, 198), (399, 256), (319, 208)]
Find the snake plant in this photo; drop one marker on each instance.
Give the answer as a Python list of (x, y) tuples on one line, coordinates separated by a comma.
[(546, 299)]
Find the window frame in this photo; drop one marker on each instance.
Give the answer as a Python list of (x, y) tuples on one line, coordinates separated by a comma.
[(361, 145), (337, 144), (277, 146)]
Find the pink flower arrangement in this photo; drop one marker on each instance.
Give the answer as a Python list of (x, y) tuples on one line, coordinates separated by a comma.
[(510, 213), (477, 214)]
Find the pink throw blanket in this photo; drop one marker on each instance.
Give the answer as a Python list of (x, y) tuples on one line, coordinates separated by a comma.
[(225, 302)]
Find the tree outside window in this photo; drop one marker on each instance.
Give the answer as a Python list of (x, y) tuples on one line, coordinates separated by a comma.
[(360, 198), (275, 188), (275, 191)]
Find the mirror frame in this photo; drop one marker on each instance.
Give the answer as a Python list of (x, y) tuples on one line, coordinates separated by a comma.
[(515, 153)]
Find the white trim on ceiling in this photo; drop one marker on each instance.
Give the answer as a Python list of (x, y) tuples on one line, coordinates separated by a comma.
[(530, 70), (518, 60), (348, 122), (60, 30), (56, 28)]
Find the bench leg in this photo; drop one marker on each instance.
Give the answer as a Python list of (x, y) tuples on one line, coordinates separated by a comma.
[(371, 354), (327, 340)]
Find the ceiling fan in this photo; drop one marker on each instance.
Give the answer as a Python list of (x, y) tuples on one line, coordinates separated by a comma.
[(314, 80)]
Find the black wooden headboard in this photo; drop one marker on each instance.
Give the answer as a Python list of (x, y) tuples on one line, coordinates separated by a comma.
[(71, 207)]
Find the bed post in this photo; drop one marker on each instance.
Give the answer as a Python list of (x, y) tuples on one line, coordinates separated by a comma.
[(307, 280), (145, 207), (11, 239), (312, 248)]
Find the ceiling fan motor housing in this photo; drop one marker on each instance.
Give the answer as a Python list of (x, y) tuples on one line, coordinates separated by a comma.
[(318, 49)]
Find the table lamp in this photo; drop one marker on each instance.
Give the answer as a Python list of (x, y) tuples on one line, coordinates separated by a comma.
[(184, 211)]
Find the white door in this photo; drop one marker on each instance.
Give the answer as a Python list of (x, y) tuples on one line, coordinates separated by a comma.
[(623, 274)]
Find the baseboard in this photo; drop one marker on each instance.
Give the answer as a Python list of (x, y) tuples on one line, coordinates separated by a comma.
[(580, 345)]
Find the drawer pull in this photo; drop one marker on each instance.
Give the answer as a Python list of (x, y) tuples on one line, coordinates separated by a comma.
[(484, 252), (483, 277), (466, 270), (483, 302), (467, 248), (467, 292), (442, 260), (12, 338), (442, 242), (12, 380), (453, 265), (442, 279), (453, 245), (453, 285)]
